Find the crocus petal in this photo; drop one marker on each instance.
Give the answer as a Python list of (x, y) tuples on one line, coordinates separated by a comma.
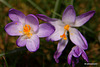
[(77, 38), (69, 58), (61, 46), (21, 41), (69, 15), (59, 30), (76, 51), (45, 18), (33, 43), (56, 56), (82, 19), (85, 56), (16, 16), (13, 28), (45, 30), (32, 21), (86, 44)]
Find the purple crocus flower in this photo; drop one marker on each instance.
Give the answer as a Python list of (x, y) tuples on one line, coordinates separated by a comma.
[(74, 55), (68, 22), (28, 28)]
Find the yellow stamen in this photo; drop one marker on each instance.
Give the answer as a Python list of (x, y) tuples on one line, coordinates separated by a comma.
[(66, 27), (15, 23), (26, 30)]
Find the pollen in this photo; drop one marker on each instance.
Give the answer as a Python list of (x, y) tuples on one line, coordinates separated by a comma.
[(27, 30)]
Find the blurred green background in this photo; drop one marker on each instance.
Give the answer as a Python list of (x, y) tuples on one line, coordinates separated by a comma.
[(13, 56)]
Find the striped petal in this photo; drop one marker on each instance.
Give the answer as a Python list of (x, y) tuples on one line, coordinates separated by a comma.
[(16, 16), (69, 15), (82, 19)]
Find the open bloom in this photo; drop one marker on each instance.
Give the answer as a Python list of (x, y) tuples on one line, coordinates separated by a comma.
[(74, 55), (67, 24), (28, 28)]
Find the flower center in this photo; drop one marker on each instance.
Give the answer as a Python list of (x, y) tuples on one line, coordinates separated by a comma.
[(27, 30), (66, 28)]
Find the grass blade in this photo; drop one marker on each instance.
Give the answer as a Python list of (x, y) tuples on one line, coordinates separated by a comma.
[(84, 27), (69, 2), (7, 4), (5, 61), (56, 14), (57, 6), (13, 51), (36, 6)]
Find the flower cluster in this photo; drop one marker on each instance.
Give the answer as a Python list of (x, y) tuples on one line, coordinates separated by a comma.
[(29, 30)]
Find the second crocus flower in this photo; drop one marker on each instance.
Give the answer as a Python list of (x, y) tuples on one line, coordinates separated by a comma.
[(67, 24)]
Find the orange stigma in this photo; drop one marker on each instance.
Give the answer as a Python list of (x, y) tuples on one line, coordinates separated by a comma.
[(63, 36), (66, 27)]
